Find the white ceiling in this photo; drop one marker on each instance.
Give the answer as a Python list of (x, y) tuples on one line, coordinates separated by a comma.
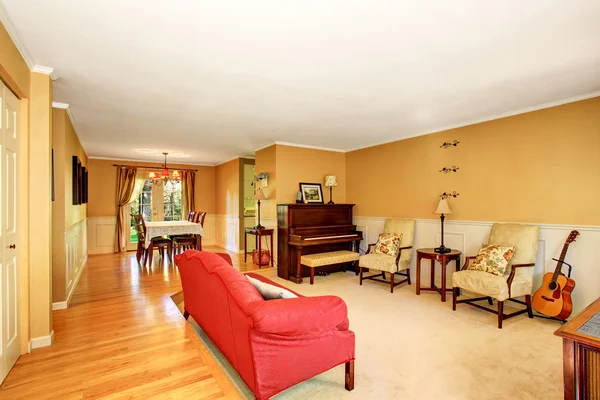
[(215, 80)]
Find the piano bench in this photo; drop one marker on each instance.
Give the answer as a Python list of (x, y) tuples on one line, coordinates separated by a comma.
[(333, 257)]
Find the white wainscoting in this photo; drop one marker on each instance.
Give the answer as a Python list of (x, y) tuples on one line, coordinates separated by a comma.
[(227, 229), (76, 254), (101, 234), (467, 236), (102, 230)]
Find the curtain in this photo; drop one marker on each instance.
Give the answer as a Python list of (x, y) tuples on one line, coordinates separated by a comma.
[(188, 188), (129, 187)]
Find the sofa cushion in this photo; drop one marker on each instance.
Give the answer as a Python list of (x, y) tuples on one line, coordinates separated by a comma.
[(271, 292)]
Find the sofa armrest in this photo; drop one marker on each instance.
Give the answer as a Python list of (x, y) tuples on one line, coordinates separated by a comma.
[(300, 315)]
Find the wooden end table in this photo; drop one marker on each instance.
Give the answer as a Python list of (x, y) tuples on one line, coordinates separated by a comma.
[(444, 259), (259, 233)]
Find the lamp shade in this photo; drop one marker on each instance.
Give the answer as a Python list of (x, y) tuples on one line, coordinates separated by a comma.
[(330, 180), (259, 195), (443, 207)]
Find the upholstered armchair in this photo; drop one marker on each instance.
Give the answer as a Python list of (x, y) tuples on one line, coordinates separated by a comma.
[(399, 264), (517, 280)]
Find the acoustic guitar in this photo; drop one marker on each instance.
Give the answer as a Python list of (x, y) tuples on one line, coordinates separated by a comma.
[(553, 298)]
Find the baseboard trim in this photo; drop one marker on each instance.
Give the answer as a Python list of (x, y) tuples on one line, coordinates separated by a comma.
[(42, 341), (62, 305)]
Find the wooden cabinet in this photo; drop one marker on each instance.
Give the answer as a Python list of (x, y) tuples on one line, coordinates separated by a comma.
[(581, 354)]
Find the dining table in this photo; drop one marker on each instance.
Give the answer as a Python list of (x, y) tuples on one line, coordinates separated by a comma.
[(166, 228)]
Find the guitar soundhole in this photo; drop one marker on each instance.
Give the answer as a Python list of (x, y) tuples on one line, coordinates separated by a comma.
[(552, 286)]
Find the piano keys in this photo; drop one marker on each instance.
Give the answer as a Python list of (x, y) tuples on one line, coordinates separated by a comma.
[(312, 228)]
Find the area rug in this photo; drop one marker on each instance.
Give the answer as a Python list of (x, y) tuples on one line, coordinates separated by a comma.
[(416, 347)]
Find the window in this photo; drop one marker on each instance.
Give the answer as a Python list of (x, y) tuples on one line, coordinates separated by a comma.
[(142, 205), (172, 201), (159, 201)]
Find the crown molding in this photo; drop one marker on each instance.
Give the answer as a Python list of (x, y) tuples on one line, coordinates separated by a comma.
[(489, 118), (67, 108), (20, 45), (40, 69), (12, 32), (56, 104), (148, 161), (304, 146)]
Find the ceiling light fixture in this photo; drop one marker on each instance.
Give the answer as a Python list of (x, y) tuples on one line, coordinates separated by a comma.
[(164, 175)]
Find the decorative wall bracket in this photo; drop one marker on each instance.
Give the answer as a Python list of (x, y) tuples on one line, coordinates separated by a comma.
[(446, 195), (448, 144), (446, 170), (262, 179)]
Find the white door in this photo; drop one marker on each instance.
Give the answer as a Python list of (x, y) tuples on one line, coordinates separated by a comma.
[(9, 277)]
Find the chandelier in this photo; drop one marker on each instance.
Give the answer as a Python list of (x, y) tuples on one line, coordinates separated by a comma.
[(164, 175)]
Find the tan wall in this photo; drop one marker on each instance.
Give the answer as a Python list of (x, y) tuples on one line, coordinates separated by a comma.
[(265, 161), (13, 69), (58, 206), (73, 213), (16, 75), (40, 206), (65, 214), (103, 186), (298, 164), (227, 188), (538, 167)]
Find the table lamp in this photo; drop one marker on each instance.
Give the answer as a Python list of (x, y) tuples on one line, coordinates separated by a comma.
[(442, 209), (330, 181), (259, 195)]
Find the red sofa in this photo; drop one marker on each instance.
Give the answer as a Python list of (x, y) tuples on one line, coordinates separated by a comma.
[(272, 344)]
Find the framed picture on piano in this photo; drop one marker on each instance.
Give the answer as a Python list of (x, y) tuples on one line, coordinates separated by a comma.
[(312, 193)]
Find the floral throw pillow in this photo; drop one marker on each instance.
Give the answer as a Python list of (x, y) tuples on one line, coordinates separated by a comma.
[(388, 243), (493, 259)]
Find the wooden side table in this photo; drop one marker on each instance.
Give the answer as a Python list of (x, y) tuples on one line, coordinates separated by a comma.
[(259, 233), (444, 259)]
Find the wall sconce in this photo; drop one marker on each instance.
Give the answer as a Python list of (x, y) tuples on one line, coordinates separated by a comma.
[(446, 170), (448, 144), (446, 195), (262, 179)]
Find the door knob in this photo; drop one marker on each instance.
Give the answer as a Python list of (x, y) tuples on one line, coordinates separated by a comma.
[(12, 246)]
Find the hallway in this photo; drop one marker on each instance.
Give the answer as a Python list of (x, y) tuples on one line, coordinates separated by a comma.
[(121, 337)]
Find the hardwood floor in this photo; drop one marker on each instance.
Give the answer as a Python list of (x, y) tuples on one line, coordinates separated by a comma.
[(122, 337)]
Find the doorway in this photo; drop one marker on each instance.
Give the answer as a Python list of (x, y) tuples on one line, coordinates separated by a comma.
[(158, 201), (9, 267)]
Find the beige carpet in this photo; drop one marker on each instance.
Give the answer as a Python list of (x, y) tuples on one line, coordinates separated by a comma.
[(416, 347)]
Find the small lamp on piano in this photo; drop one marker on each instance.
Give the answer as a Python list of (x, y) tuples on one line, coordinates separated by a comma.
[(259, 195), (442, 209), (331, 181)]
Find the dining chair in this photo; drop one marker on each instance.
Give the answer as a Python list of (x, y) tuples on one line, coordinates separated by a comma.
[(146, 253), (187, 242)]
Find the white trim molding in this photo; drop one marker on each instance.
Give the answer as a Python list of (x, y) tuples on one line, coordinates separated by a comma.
[(42, 341), (40, 69), (67, 108)]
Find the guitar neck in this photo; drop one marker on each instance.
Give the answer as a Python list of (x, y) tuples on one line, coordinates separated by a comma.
[(560, 262)]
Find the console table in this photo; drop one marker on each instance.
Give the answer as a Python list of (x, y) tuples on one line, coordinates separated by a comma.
[(581, 354)]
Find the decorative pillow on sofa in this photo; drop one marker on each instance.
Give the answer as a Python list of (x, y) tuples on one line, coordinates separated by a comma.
[(493, 259), (388, 244), (271, 292)]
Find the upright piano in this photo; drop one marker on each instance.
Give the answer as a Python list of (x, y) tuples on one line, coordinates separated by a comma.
[(309, 229)]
